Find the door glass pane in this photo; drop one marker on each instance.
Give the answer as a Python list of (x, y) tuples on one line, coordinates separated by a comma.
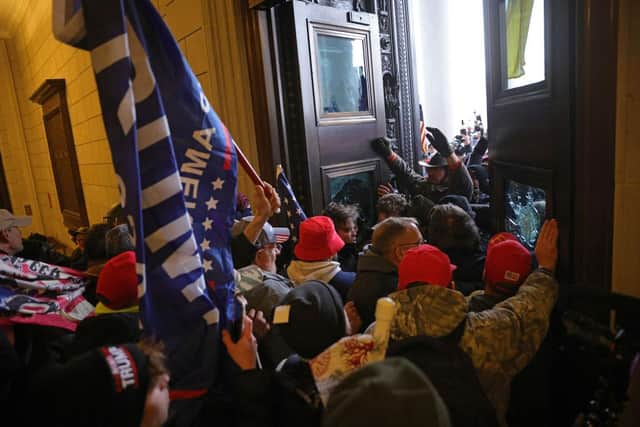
[(343, 80), (524, 42), (525, 208)]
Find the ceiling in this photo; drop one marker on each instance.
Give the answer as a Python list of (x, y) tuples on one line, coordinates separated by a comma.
[(11, 13)]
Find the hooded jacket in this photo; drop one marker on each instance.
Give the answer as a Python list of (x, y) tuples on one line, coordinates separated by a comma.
[(376, 278), (500, 341), (325, 271)]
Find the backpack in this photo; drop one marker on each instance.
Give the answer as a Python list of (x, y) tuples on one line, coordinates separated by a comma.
[(450, 370)]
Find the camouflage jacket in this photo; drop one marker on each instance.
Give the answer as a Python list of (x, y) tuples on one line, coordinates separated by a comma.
[(500, 341)]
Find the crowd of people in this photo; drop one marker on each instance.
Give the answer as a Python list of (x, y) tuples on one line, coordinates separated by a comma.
[(470, 316)]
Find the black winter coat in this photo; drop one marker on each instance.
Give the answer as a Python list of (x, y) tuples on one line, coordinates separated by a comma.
[(376, 278)]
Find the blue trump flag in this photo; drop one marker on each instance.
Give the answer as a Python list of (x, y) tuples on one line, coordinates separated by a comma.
[(295, 214), (177, 173)]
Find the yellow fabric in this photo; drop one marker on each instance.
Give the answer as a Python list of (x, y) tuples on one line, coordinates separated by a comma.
[(518, 19), (103, 309)]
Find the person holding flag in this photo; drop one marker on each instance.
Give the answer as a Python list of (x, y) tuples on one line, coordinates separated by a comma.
[(176, 166)]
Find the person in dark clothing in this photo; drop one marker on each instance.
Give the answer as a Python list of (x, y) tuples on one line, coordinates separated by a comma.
[(126, 385), (446, 172), (377, 274), (116, 320), (78, 259), (392, 392), (391, 204), (480, 174), (345, 220), (507, 265), (478, 151), (420, 209), (310, 318), (316, 251), (454, 232), (286, 396), (460, 201)]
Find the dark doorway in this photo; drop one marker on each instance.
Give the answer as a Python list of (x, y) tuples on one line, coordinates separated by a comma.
[(52, 96)]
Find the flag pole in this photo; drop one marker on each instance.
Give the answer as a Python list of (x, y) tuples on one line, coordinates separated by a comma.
[(249, 169)]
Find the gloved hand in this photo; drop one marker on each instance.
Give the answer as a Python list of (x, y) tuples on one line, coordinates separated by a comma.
[(439, 141), (382, 146)]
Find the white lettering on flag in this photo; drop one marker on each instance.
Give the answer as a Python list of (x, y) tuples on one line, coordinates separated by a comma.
[(153, 132), (109, 53), (164, 235), (195, 289), (161, 191), (183, 260)]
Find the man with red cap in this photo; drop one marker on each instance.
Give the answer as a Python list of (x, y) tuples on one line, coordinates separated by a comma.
[(499, 342), (316, 256), (116, 320), (507, 266)]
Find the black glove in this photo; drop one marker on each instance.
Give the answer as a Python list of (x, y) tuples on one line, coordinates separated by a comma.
[(439, 141), (382, 146)]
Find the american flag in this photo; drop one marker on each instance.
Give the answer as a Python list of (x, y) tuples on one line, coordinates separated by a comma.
[(281, 237), (423, 133), (176, 169), (295, 214)]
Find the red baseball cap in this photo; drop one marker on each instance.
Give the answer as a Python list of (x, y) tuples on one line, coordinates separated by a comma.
[(118, 282), (318, 239), (426, 264), (500, 237), (507, 265)]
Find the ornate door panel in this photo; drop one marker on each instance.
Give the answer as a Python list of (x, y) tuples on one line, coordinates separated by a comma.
[(333, 102)]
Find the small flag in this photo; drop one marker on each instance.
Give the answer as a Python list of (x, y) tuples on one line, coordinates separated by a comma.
[(281, 237), (176, 167), (423, 133), (295, 214)]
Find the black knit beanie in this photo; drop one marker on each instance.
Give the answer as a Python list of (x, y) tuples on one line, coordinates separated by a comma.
[(103, 387), (310, 318)]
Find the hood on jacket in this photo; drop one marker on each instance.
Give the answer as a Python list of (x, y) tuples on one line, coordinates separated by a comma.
[(427, 310), (300, 271), (371, 260)]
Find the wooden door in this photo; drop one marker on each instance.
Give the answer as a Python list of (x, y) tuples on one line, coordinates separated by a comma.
[(552, 138), (52, 96), (531, 118), (334, 103)]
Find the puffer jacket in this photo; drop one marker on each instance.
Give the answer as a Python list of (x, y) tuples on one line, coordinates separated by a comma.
[(500, 341)]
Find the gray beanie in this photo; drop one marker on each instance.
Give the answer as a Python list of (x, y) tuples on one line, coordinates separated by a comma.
[(390, 393), (118, 240)]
